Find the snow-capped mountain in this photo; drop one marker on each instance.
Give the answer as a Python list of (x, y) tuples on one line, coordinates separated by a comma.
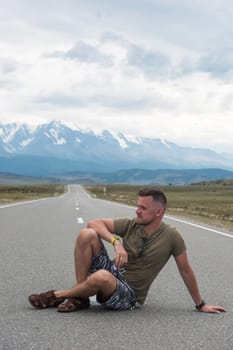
[(55, 148)]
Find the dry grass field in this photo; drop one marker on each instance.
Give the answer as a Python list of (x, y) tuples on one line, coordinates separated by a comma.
[(15, 193), (210, 203)]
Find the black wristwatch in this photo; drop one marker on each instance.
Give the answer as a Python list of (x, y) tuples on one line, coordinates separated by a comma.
[(198, 307)]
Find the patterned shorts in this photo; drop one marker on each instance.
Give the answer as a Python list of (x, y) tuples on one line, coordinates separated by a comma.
[(124, 297)]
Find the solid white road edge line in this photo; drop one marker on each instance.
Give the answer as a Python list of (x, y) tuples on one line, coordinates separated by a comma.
[(23, 203), (199, 226)]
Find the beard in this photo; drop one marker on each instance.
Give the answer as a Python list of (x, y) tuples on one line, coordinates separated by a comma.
[(143, 222)]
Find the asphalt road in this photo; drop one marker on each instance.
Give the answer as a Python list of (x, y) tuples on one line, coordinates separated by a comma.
[(36, 254)]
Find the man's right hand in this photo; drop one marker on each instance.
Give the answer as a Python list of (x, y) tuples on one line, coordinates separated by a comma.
[(121, 254)]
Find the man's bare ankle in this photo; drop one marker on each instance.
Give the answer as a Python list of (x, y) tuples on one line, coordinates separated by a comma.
[(59, 294)]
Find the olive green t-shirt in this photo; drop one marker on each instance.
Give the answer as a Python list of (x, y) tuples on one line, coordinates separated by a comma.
[(146, 256)]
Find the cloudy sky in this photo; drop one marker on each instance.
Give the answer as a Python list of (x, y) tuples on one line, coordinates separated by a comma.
[(154, 68)]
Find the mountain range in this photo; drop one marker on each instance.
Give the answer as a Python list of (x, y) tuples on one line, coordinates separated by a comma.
[(56, 150)]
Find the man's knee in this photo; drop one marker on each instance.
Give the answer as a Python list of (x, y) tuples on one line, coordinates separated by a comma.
[(103, 279), (88, 237)]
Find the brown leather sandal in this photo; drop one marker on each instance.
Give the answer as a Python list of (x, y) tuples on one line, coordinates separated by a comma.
[(73, 304), (44, 300)]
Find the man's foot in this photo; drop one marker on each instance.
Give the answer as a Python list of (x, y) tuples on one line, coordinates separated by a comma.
[(73, 304), (44, 300)]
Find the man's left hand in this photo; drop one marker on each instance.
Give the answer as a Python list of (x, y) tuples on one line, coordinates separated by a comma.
[(212, 309)]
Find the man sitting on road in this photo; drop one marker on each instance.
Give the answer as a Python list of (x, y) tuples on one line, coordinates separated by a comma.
[(144, 247)]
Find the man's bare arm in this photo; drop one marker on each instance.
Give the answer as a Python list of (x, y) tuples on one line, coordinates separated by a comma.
[(105, 230), (191, 283)]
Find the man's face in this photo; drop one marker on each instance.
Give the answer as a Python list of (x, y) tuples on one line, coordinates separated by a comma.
[(148, 210)]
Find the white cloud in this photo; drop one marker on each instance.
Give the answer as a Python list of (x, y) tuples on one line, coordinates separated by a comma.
[(160, 69)]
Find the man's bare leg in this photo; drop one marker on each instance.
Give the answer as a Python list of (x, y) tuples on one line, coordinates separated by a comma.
[(88, 245), (100, 282)]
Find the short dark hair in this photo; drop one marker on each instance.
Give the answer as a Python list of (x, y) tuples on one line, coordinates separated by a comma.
[(155, 192)]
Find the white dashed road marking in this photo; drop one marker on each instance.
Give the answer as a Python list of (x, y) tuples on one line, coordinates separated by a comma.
[(80, 220)]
